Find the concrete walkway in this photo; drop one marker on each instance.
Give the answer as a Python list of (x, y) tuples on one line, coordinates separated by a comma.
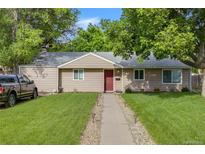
[(114, 129)]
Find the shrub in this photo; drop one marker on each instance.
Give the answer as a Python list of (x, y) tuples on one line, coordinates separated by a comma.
[(172, 90), (156, 90), (185, 89), (128, 90), (142, 90)]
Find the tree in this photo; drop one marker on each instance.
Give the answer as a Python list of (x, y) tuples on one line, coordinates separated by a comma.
[(56, 24), (23, 49), (94, 38), (24, 32), (178, 33)]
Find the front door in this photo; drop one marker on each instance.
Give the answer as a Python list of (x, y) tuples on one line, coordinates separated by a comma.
[(108, 80)]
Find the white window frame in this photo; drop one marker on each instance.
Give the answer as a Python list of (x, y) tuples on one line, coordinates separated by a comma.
[(78, 69), (139, 70), (171, 76)]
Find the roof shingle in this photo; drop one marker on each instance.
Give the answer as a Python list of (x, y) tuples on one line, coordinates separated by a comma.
[(54, 59)]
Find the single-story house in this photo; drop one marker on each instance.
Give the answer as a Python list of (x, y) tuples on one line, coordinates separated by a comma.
[(104, 72)]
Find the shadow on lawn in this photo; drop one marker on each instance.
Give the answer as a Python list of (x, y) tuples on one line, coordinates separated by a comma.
[(19, 102)]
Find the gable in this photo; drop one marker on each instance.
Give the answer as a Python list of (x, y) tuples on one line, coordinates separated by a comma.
[(90, 61)]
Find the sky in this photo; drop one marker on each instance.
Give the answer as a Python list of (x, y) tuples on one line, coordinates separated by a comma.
[(94, 15)]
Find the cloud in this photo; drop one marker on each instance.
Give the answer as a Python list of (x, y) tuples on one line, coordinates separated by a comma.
[(85, 22)]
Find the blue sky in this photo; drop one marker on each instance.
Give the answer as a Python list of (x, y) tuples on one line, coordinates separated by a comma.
[(93, 15)]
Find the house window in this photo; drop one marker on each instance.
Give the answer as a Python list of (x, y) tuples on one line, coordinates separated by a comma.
[(78, 74), (139, 74), (172, 76)]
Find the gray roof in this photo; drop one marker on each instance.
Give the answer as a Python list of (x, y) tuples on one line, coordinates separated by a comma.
[(54, 59)]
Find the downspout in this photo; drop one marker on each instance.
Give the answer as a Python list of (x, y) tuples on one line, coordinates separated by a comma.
[(122, 81), (190, 81), (57, 84)]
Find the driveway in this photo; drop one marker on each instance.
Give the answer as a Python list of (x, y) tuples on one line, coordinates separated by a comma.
[(115, 129)]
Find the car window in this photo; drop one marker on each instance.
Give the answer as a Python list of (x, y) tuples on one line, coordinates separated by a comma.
[(3, 80), (26, 78), (11, 80), (22, 79), (8, 79)]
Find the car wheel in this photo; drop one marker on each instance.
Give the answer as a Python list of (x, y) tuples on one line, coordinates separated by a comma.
[(11, 100), (35, 94)]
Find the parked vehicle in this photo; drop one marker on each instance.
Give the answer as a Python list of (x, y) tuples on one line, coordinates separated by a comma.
[(13, 87)]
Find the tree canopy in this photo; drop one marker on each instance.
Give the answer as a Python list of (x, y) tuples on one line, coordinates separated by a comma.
[(94, 38), (178, 33), (175, 33), (25, 31)]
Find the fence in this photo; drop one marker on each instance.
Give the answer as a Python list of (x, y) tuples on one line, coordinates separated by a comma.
[(196, 82)]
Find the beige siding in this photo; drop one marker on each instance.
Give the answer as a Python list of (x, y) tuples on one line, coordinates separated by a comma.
[(118, 79), (89, 61), (93, 81), (153, 79), (44, 78)]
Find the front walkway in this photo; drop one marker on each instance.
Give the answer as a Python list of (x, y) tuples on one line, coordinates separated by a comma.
[(114, 129)]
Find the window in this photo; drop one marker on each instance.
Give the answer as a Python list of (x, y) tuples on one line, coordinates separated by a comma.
[(167, 76), (176, 76), (172, 76), (23, 79), (8, 79), (11, 80), (78, 74), (139, 74)]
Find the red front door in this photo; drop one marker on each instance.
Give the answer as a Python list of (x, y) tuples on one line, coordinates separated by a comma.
[(108, 80)]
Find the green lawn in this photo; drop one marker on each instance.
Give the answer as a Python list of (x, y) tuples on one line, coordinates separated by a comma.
[(56, 119), (170, 118)]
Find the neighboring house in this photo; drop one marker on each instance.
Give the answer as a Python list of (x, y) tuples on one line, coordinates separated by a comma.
[(102, 71), (197, 81)]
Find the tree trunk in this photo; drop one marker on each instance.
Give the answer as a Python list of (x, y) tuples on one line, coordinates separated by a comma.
[(14, 28), (203, 83)]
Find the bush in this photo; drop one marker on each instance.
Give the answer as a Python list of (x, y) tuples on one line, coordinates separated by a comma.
[(128, 90), (172, 90), (156, 90), (185, 89), (142, 90)]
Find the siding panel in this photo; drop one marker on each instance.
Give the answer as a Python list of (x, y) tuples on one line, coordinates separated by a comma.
[(89, 61), (44, 78), (153, 79), (93, 81), (118, 80)]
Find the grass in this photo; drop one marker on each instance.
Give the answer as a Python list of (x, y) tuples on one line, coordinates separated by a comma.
[(56, 119), (170, 118)]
